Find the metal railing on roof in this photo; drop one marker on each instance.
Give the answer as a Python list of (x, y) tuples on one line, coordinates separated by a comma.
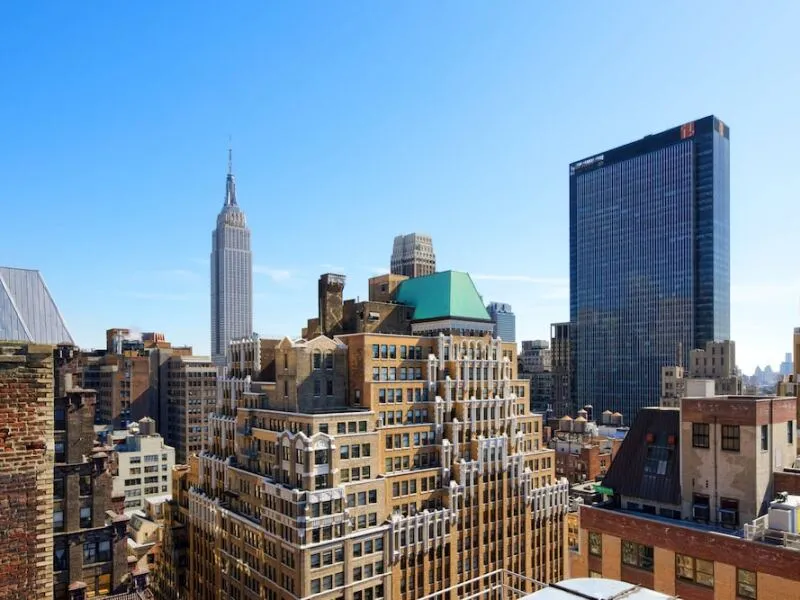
[(500, 584), (759, 531)]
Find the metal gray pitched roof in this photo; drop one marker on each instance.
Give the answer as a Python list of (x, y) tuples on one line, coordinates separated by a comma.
[(27, 310)]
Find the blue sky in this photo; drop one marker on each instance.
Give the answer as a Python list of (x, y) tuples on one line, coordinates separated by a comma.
[(355, 121)]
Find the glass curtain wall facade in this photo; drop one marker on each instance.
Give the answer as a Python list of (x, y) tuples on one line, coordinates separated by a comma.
[(649, 261)]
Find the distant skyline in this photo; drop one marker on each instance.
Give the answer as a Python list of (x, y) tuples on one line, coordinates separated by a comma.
[(356, 122)]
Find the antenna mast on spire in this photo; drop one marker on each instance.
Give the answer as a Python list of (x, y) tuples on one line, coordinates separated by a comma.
[(230, 156)]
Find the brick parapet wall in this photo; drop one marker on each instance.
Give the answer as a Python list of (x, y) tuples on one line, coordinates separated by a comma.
[(26, 471)]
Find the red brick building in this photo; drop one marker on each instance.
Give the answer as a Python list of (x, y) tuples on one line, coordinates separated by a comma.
[(26, 471)]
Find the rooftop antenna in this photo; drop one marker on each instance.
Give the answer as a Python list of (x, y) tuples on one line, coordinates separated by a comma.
[(230, 155)]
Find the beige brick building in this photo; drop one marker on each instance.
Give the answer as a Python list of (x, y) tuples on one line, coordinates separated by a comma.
[(693, 510), (370, 465)]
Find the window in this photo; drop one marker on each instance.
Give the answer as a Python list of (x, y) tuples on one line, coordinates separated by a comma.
[(104, 584), (317, 360), (790, 432), (58, 520), (59, 451), (392, 351), (701, 508), (90, 553), (85, 485), (700, 435), (745, 584), (730, 438), (317, 387), (729, 512), (58, 487), (329, 387), (637, 555), (595, 543), (375, 351), (60, 420), (765, 437), (61, 560), (344, 452), (329, 360), (86, 516), (695, 570)]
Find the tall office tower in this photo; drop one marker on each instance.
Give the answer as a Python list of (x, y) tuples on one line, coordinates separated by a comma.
[(505, 322), (231, 275), (649, 260), (787, 366), (188, 394), (562, 367), (413, 256), (372, 465)]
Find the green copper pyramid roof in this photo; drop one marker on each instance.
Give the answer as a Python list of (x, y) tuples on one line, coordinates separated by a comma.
[(442, 295)]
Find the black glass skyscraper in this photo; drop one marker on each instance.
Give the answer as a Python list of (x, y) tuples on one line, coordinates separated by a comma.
[(649, 261)]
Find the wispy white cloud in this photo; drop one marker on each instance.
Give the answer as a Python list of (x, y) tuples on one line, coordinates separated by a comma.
[(277, 275), (560, 281)]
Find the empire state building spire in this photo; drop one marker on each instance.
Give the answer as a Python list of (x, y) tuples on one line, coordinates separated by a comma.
[(230, 182), (231, 274)]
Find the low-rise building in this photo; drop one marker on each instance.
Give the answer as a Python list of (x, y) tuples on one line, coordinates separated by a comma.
[(583, 453), (146, 534), (691, 501), (715, 363), (144, 464)]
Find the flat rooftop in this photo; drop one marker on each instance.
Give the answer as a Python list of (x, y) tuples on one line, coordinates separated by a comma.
[(586, 588)]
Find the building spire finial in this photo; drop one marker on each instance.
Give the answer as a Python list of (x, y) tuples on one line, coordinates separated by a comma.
[(230, 156), (230, 184)]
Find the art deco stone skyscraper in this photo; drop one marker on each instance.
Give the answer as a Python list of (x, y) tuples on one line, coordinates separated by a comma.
[(231, 274)]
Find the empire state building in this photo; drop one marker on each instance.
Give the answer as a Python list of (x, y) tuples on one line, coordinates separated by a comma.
[(231, 275)]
